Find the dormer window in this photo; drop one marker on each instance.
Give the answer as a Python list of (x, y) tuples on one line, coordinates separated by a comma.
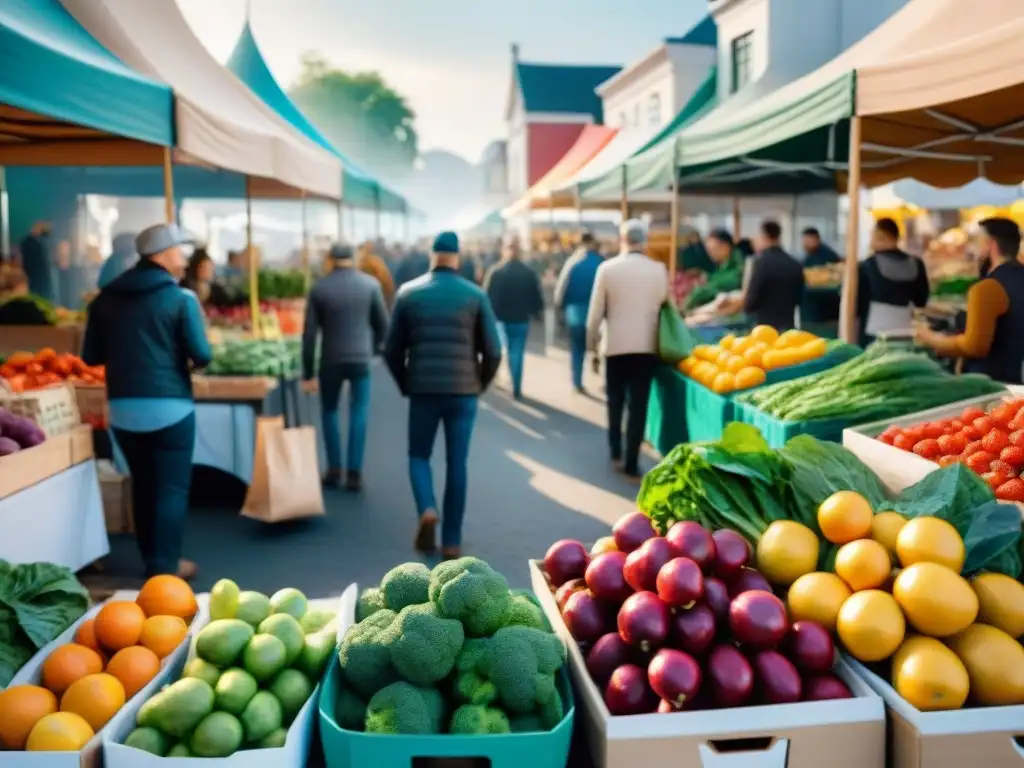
[(742, 61)]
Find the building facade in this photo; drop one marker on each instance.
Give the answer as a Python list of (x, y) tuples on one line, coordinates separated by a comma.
[(646, 95)]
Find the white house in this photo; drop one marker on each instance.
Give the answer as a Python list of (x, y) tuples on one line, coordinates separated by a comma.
[(647, 94)]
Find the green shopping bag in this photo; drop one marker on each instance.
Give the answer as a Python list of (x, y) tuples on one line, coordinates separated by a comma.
[(675, 339)]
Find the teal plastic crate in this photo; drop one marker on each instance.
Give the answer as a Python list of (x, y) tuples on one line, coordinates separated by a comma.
[(707, 413), (777, 432), (350, 749), (666, 410)]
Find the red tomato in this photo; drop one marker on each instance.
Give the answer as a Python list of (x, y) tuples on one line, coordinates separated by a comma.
[(980, 461), (984, 424), (995, 441), (928, 449)]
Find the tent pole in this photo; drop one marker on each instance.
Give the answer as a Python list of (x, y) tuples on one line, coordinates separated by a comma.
[(254, 297), (673, 253), (169, 207), (736, 219), (624, 198), (305, 243), (341, 222), (848, 313), (579, 210)]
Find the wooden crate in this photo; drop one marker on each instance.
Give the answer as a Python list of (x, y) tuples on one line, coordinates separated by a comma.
[(54, 409), (92, 402)]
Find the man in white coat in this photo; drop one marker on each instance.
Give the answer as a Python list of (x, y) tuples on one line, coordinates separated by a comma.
[(629, 292)]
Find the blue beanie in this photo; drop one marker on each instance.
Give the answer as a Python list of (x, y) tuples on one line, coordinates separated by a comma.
[(446, 242)]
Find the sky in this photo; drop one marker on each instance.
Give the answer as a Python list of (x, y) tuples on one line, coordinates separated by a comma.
[(450, 58)]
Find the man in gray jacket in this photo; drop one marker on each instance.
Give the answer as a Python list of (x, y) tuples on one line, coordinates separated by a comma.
[(346, 310)]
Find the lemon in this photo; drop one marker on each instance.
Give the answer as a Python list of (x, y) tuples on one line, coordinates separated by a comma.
[(817, 597), (870, 625), (936, 600), (930, 540), (786, 551), (885, 527)]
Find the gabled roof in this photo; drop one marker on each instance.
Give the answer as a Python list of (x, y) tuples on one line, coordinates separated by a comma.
[(705, 32), (564, 88)]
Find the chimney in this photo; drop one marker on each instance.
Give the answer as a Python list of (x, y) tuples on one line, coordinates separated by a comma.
[(515, 53)]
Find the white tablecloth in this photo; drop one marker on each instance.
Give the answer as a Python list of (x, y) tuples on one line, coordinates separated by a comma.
[(59, 520)]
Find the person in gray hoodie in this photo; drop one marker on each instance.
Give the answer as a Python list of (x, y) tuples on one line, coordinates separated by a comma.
[(346, 311)]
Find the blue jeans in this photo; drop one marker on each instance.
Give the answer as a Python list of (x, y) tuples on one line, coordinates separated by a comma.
[(513, 337), (577, 352), (332, 377), (458, 415), (160, 463)]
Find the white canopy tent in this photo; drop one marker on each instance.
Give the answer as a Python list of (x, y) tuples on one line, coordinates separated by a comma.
[(219, 121)]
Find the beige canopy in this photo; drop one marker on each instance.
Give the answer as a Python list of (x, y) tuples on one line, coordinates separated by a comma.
[(947, 111), (219, 121)]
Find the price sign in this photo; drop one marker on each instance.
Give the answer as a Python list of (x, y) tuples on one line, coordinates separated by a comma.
[(269, 327)]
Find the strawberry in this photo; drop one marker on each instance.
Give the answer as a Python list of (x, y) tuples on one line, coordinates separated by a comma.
[(956, 425), (1012, 455), (1017, 438), (904, 442), (1002, 468), (1003, 414), (933, 430), (979, 462), (971, 432), (984, 424), (928, 449), (952, 445), (970, 414), (994, 479), (972, 448), (948, 461), (1011, 490), (995, 441)]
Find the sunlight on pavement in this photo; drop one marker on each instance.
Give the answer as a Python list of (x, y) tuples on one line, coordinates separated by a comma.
[(510, 421), (573, 493)]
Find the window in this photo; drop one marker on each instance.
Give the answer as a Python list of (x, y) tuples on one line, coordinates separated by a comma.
[(742, 60), (654, 110)]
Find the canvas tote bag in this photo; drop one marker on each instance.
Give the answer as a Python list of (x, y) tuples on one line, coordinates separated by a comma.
[(285, 476), (675, 339)]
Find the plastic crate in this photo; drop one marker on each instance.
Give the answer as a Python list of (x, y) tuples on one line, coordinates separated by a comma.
[(777, 432), (707, 413), (350, 749), (666, 410)]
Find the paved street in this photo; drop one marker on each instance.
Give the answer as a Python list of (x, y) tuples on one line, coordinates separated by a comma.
[(539, 471)]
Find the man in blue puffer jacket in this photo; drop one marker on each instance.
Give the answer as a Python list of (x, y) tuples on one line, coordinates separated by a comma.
[(572, 296), (443, 351), (149, 333)]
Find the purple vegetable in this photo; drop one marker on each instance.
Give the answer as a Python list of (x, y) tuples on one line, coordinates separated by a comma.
[(8, 446), (23, 431)]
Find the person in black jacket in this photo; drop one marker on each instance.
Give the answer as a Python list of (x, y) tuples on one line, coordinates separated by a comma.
[(891, 283), (776, 282), (443, 351), (515, 293)]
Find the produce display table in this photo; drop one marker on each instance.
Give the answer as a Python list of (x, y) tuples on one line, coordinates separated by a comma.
[(57, 518), (62, 339)]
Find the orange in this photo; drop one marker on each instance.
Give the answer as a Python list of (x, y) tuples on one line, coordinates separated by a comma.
[(931, 677), (750, 377), (167, 595), (817, 597), (754, 354), (871, 625), (67, 664), (886, 527), (119, 625), (844, 517), (863, 564), (96, 698), (21, 707), (134, 667), (60, 732), (162, 634), (930, 540), (765, 334), (936, 600), (723, 383), (86, 635)]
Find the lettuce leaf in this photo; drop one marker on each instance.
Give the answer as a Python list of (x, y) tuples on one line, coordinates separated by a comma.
[(38, 601)]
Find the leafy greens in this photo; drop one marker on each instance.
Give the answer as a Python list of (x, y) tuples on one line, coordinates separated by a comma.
[(38, 601)]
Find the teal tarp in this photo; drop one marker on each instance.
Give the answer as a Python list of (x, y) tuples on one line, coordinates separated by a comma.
[(359, 188), (51, 66)]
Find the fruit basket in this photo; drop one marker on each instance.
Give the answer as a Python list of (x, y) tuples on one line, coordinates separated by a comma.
[(851, 730)]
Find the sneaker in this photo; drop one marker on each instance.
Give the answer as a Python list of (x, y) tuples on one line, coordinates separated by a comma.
[(426, 541), (354, 481), (332, 478)]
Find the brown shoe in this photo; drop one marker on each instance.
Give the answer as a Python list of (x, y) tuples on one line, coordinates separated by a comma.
[(451, 553), (187, 570), (426, 541)]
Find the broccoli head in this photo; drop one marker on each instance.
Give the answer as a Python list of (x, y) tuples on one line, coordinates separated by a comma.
[(526, 613), (471, 719), (365, 656), (350, 711), (403, 708), (369, 603), (528, 723), (469, 590), (423, 644), (405, 585), (517, 667), (551, 712)]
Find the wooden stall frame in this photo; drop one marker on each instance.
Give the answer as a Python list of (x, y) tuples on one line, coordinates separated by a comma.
[(848, 330)]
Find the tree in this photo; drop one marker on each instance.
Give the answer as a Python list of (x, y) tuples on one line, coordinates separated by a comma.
[(360, 113)]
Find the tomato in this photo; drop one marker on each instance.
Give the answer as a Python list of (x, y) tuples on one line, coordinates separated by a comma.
[(970, 414), (995, 441), (928, 449), (904, 442), (984, 424), (980, 461)]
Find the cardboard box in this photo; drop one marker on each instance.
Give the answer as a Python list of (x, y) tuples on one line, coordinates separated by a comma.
[(92, 755), (896, 468), (62, 339), (239, 388), (27, 467), (116, 491), (82, 447), (848, 733), (92, 402), (294, 754), (54, 409), (985, 736)]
